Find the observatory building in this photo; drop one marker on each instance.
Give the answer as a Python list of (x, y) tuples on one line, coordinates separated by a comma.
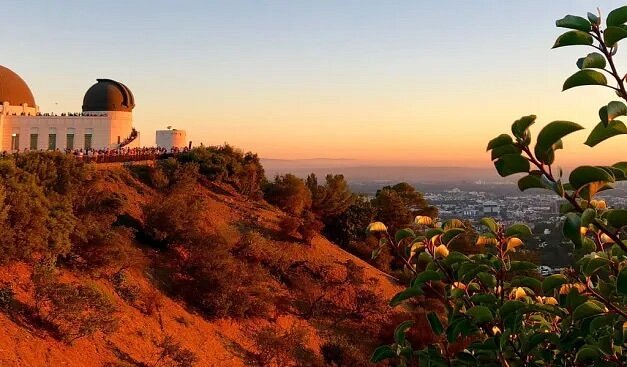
[(106, 120), (171, 138)]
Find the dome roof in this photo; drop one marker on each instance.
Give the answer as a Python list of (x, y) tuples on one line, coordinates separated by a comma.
[(14, 89), (108, 95)]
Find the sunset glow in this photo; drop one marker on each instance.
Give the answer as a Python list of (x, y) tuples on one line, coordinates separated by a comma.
[(405, 83)]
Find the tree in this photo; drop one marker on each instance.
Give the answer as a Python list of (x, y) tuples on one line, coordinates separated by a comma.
[(575, 318), (349, 226), (398, 205), (289, 194), (331, 199)]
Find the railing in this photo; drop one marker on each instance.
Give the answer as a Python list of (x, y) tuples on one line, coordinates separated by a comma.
[(130, 139), (113, 156)]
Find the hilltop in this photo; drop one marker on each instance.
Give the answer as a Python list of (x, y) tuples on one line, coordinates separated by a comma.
[(150, 267)]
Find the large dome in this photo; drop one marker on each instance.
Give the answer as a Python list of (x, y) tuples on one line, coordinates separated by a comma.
[(14, 89), (108, 95)]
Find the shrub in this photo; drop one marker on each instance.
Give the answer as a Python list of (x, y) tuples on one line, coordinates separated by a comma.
[(174, 355), (278, 347), (174, 219), (310, 227), (7, 298), (125, 287), (226, 164), (212, 280), (289, 225), (340, 352), (75, 310), (503, 315)]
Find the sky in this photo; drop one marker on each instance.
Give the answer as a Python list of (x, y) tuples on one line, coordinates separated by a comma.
[(381, 82)]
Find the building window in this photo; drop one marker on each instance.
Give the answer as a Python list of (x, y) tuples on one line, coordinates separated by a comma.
[(69, 138), (33, 141), (88, 138), (15, 141), (52, 139)]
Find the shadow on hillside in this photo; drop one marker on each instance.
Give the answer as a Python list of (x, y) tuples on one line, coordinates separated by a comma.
[(27, 318), (123, 356)]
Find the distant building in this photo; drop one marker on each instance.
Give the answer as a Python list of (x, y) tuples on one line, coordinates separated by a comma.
[(491, 208), (106, 120), (171, 138)]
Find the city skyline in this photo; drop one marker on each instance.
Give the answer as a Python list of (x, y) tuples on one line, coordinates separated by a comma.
[(396, 83)]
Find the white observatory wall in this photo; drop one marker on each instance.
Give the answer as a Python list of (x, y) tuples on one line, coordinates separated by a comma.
[(105, 127), (169, 139)]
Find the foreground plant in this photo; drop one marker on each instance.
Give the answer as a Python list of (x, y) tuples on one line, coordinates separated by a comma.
[(507, 315)]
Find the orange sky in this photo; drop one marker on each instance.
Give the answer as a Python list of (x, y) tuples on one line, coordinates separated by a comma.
[(379, 82)]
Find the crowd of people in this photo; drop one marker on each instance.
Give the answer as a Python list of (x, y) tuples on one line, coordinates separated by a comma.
[(115, 155)]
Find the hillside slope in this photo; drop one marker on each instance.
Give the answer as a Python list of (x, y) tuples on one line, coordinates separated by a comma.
[(145, 326)]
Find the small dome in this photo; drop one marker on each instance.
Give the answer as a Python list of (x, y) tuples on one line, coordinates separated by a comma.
[(108, 95), (14, 89)]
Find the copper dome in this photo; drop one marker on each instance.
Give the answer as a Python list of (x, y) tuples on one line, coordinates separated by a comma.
[(14, 89), (108, 95)]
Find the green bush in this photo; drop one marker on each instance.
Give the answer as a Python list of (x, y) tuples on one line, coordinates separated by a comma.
[(226, 164), (505, 316)]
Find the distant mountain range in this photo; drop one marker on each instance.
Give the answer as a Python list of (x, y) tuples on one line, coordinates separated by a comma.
[(357, 171)]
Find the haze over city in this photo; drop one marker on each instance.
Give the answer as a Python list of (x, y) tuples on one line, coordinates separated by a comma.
[(408, 83)]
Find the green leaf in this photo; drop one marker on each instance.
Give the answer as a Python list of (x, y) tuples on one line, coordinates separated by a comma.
[(587, 354), (401, 234), (510, 164), (504, 149), (551, 134), (612, 35), (574, 22), (480, 314), (490, 223), (451, 234), (500, 140), (621, 282), (436, 325), (404, 295), (553, 281), (401, 330), (510, 307), (593, 61), (617, 218), (584, 77), (594, 19), (432, 232), (382, 353), (518, 230), (572, 38), (572, 227), (517, 266), (487, 279), (621, 166), (520, 127), (529, 282), (595, 264), (585, 175), (588, 216), (617, 17), (588, 309), (619, 174), (603, 131), (531, 181), (425, 276)]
